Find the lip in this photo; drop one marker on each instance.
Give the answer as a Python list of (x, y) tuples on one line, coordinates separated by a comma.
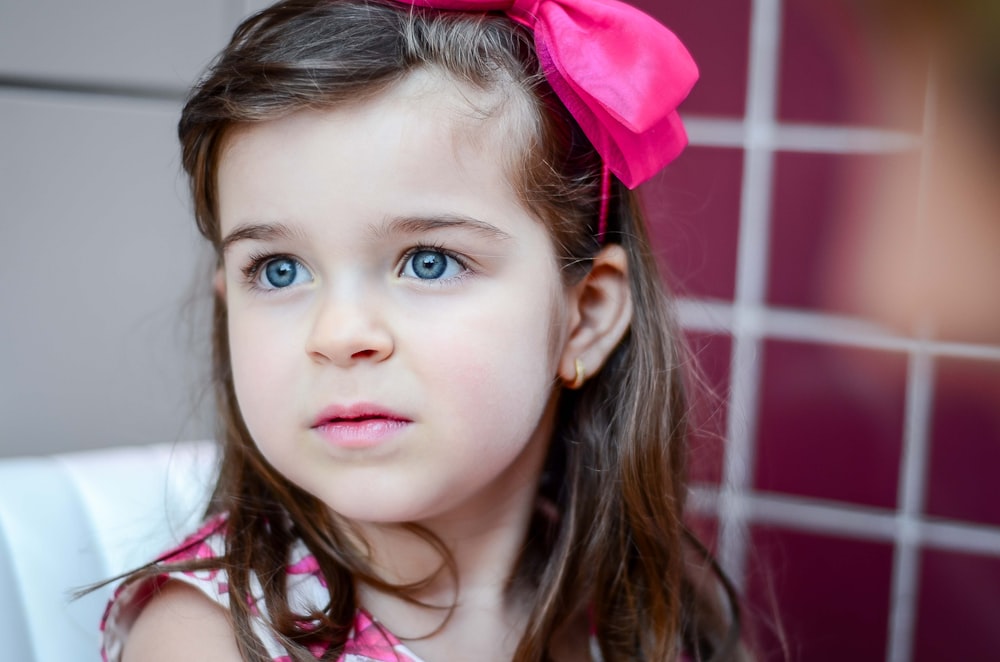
[(358, 425)]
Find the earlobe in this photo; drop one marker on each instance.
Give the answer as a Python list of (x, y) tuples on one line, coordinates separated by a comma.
[(602, 313)]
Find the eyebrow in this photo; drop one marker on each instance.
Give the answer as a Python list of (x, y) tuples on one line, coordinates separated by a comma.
[(419, 224), (257, 232), (403, 225)]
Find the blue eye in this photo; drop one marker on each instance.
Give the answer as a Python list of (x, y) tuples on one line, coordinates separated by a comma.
[(282, 272), (428, 264)]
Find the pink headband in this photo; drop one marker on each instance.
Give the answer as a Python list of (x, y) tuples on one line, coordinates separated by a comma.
[(619, 72)]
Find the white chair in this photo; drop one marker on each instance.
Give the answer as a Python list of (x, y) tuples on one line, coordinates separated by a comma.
[(70, 520)]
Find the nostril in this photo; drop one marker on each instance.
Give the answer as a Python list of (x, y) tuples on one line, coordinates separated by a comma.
[(344, 334)]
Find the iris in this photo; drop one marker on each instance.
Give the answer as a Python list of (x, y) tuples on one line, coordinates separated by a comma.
[(281, 272), (429, 265)]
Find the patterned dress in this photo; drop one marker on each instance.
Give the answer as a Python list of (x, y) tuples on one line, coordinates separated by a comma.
[(368, 641)]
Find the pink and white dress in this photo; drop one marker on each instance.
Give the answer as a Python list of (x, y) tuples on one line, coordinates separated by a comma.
[(368, 641)]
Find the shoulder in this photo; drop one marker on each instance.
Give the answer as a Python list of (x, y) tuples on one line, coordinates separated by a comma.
[(169, 610), (170, 594), (180, 622)]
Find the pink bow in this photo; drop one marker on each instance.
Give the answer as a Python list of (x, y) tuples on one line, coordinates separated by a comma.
[(618, 71)]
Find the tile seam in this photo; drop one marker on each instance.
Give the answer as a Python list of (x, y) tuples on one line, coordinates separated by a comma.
[(752, 252), (853, 521), (822, 328), (709, 131)]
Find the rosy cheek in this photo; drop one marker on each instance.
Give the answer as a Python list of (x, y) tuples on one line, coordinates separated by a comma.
[(494, 358), (258, 366)]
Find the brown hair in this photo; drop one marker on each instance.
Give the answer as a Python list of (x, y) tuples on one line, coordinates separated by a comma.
[(616, 464)]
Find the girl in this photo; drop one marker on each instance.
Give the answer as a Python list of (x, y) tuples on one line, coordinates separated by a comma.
[(451, 396)]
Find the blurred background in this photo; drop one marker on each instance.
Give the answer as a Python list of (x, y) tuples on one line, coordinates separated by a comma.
[(833, 234)]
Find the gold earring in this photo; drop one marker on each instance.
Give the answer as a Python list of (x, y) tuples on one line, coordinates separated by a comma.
[(581, 374)]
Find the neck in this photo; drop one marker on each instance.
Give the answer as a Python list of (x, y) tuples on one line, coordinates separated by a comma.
[(483, 548), (465, 584), (458, 567), (483, 537), (468, 605)]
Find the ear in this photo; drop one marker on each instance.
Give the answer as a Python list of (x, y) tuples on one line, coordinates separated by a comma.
[(601, 312), (219, 283)]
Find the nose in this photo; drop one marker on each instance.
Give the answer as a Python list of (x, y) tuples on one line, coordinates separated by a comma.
[(348, 328)]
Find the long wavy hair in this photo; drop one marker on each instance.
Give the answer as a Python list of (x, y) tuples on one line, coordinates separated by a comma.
[(618, 551)]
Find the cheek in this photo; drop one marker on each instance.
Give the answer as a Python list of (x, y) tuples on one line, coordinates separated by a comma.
[(500, 331), (245, 349), (500, 362), (260, 366)]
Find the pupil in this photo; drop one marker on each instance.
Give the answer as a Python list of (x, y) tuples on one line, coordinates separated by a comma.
[(429, 264), (280, 273)]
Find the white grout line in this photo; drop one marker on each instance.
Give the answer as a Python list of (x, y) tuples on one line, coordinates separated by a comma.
[(830, 329), (752, 254), (755, 207), (738, 459), (704, 315), (714, 132), (798, 137), (818, 517), (961, 537), (841, 140), (713, 316), (806, 514), (906, 564), (703, 499), (963, 350), (852, 521), (790, 324), (919, 401)]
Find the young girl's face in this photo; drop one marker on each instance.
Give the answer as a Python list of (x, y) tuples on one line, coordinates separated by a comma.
[(396, 316)]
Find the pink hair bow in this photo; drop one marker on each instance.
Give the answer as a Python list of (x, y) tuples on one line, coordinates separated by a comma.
[(619, 72)]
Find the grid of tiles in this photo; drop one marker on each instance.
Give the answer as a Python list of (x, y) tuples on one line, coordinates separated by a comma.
[(852, 492)]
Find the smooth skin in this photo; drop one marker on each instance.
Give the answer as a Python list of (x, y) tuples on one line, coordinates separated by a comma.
[(180, 623), (411, 276)]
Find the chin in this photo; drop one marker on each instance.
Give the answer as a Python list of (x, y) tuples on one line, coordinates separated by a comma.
[(365, 510)]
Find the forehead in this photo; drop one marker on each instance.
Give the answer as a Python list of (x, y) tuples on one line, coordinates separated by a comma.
[(499, 117), (423, 141)]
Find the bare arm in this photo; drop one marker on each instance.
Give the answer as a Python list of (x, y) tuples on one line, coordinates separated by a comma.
[(181, 625)]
